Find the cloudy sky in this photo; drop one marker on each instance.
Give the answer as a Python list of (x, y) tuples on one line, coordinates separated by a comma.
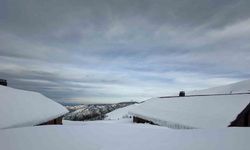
[(119, 50)]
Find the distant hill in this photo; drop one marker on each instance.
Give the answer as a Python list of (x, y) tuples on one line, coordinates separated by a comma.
[(92, 111)]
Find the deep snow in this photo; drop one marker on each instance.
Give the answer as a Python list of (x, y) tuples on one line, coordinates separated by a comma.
[(238, 87), (120, 113), (25, 108), (122, 137), (122, 134)]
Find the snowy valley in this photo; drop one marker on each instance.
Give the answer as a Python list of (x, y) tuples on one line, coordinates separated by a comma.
[(124, 74), (92, 111)]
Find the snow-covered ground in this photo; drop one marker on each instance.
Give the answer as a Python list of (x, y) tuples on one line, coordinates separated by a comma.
[(120, 121), (120, 113), (116, 136), (25, 108), (118, 132), (45, 138)]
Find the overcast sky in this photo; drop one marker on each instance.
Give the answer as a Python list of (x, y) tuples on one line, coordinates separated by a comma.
[(118, 50)]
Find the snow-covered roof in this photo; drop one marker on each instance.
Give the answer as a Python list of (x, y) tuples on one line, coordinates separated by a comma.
[(193, 112), (239, 87), (25, 108), (122, 137)]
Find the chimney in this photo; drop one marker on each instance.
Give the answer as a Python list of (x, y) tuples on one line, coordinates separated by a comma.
[(3, 82), (182, 94)]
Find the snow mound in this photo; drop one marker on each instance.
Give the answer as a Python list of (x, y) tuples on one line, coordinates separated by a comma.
[(25, 108), (192, 112), (44, 138), (122, 137)]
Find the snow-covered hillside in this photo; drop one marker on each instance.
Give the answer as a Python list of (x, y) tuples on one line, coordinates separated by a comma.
[(92, 111), (239, 87), (120, 113)]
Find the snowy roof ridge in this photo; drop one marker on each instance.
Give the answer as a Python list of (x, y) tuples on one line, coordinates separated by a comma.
[(242, 86), (215, 94)]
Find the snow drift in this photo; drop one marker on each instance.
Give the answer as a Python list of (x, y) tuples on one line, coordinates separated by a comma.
[(239, 87), (123, 137)]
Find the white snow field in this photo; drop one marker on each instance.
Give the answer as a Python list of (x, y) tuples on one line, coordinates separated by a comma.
[(21, 108), (118, 132), (122, 137), (120, 121), (239, 87), (45, 138), (192, 112)]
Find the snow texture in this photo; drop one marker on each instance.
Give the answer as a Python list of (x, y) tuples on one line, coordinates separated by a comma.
[(92, 111), (123, 137), (192, 112), (45, 138), (120, 121), (21, 108), (120, 113), (239, 87)]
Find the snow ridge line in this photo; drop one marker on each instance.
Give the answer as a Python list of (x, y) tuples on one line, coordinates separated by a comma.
[(205, 95)]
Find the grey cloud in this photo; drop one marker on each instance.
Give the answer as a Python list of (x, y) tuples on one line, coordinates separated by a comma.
[(39, 16), (117, 48)]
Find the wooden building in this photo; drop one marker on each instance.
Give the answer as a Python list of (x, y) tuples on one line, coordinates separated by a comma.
[(56, 121)]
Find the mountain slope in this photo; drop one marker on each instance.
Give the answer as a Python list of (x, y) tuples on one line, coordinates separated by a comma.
[(92, 111)]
